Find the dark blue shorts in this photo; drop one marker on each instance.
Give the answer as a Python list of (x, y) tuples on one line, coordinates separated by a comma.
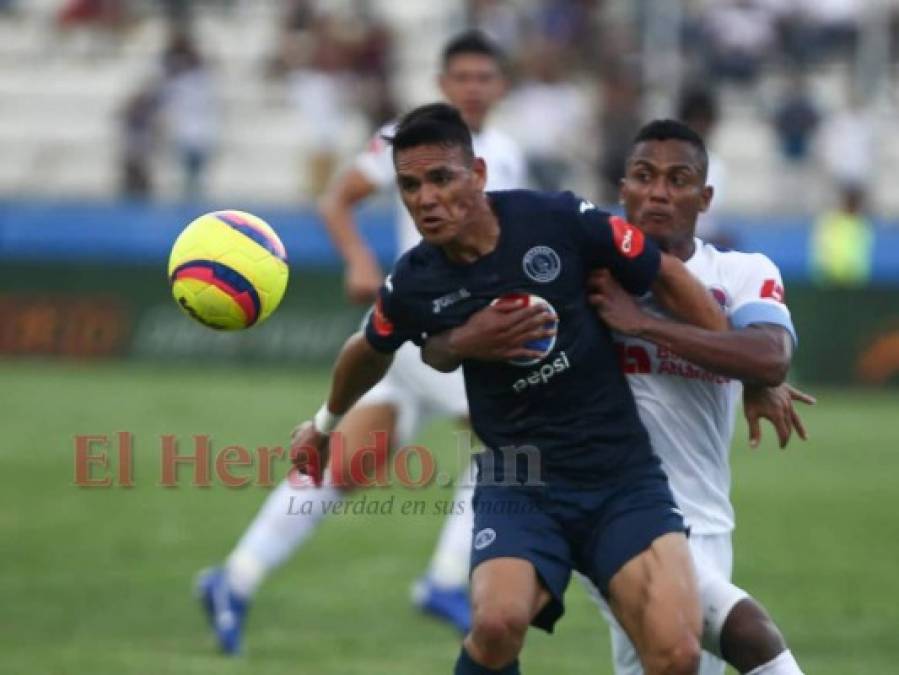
[(557, 528)]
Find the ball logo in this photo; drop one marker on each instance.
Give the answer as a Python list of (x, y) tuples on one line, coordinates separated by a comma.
[(484, 538), (542, 264), (628, 239), (543, 345)]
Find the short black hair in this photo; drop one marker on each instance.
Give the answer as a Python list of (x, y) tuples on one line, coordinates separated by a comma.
[(472, 42), (668, 130), (432, 124)]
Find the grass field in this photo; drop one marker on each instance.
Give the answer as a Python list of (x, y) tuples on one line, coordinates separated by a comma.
[(98, 580)]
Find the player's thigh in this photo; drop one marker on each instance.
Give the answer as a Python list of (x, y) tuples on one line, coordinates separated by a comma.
[(625, 660), (513, 523), (363, 440), (713, 560), (654, 596)]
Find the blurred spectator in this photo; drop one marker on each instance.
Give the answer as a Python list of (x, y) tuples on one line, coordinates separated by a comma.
[(795, 120), (372, 49), (109, 14), (812, 30), (619, 122), (842, 242), (740, 34), (334, 65), (547, 111), (189, 108), (567, 24), (698, 108), (832, 25), (847, 144), (498, 19), (138, 143)]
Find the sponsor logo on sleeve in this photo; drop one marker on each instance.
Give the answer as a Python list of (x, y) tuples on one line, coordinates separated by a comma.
[(628, 239), (383, 326), (772, 289)]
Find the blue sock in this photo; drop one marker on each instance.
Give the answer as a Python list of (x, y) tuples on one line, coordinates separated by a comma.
[(465, 665)]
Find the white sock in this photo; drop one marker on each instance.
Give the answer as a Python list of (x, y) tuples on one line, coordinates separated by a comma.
[(284, 522), (449, 564), (782, 664)]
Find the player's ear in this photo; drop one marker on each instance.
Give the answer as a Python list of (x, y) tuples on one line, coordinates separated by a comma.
[(479, 169), (706, 198), (621, 191), (441, 83)]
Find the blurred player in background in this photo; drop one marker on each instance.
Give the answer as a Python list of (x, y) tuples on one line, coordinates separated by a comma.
[(686, 382), (411, 394), (568, 479)]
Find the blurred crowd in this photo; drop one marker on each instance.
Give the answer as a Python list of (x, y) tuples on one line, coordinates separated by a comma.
[(581, 74)]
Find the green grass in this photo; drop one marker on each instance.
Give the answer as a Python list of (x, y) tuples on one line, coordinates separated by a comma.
[(98, 580)]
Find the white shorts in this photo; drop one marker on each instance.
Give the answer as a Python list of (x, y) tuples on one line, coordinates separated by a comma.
[(418, 392), (713, 559)]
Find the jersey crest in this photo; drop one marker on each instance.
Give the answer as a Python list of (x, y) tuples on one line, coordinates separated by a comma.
[(542, 264)]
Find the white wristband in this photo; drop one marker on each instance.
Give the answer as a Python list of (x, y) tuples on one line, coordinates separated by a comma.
[(325, 421)]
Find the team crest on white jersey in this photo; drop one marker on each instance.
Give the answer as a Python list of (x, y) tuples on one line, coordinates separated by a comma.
[(484, 538), (542, 264)]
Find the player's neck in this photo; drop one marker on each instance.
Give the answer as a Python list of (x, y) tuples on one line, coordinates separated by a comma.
[(480, 236), (682, 248)]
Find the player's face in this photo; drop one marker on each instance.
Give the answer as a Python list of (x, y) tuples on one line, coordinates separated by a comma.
[(440, 188), (473, 83), (663, 190)]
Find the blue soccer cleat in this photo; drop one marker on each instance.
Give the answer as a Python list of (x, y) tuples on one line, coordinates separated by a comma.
[(225, 610), (447, 604)]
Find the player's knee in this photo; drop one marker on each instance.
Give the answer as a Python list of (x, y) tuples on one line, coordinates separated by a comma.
[(499, 630), (679, 658), (749, 637)]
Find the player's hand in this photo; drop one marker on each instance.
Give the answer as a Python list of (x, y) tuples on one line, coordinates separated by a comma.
[(615, 306), (774, 404), (362, 279), (499, 332), (309, 451)]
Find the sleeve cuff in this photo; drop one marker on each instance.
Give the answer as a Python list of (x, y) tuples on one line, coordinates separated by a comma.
[(763, 313)]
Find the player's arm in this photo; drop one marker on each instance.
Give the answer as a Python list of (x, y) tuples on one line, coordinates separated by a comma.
[(495, 333), (756, 354), (774, 404), (685, 297), (637, 264), (361, 364), (363, 274)]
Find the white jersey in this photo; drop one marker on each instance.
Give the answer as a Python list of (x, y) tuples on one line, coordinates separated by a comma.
[(689, 412), (505, 171)]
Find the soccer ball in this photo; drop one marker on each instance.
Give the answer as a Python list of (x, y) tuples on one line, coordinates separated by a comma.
[(543, 345), (228, 270)]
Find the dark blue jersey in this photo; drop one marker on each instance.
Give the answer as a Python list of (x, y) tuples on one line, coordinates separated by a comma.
[(574, 407)]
